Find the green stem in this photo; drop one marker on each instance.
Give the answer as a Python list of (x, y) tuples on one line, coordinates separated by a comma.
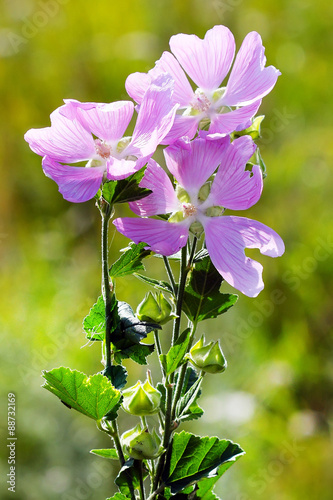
[(106, 212), (170, 274), (141, 488), (180, 295), (144, 422), (159, 350), (115, 436), (182, 373)]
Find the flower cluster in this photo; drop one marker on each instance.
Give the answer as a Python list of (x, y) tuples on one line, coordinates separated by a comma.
[(210, 170)]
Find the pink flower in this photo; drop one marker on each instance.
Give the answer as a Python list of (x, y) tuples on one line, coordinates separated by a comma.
[(94, 133), (198, 204), (207, 62)]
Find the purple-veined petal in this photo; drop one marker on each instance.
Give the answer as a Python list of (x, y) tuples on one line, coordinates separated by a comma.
[(162, 200), (155, 118), (233, 186), (226, 239), (192, 163), (249, 79), (66, 140), (106, 121), (163, 237), (225, 123), (183, 126), (136, 85), (76, 184), (183, 92), (121, 169), (206, 61)]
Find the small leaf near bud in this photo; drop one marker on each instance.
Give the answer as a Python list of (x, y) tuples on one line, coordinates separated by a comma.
[(208, 358)]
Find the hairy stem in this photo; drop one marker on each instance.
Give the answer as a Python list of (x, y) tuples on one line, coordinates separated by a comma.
[(170, 274), (106, 212)]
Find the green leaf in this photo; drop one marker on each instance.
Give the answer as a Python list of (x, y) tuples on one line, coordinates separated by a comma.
[(109, 453), (128, 473), (137, 352), (261, 163), (202, 299), (159, 285), (119, 496), (130, 261), (188, 401), (94, 322), (117, 374), (93, 396), (192, 458), (205, 486), (175, 357), (125, 190)]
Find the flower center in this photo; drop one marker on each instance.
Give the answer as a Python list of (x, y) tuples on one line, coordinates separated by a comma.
[(188, 209), (200, 102), (102, 149)]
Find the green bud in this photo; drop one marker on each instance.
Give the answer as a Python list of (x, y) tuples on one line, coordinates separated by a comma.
[(141, 399), (155, 309), (208, 358), (139, 443)]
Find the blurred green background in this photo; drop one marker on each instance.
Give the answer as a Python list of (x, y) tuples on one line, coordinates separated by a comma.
[(275, 399)]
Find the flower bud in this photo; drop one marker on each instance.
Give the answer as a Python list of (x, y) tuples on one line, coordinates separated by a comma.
[(208, 358), (139, 443), (154, 309), (141, 399)]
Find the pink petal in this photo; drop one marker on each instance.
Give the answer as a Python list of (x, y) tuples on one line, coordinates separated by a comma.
[(65, 140), (121, 169), (226, 239), (155, 118), (162, 200), (225, 123), (76, 184), (249, 79), (192, 163), (183, 126), (163, 237), (183, 92), (233, 186), (106, 121), (206, 61), (136, 85)]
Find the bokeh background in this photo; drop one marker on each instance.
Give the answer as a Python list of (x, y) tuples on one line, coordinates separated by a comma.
[(275, 399)]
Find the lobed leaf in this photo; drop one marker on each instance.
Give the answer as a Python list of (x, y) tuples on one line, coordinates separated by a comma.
[(125, 190), (93, 396), (175, 357), (130, 261), (192, 458)]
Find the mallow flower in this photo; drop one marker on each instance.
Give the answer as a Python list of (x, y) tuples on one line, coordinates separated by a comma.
[(217, 110), (198, 204), (94, 133)]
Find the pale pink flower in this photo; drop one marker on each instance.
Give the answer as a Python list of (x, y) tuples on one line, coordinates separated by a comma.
[(218, 110), (198, 204)]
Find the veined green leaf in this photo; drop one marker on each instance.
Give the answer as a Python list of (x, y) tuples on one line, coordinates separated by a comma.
[(109, 453), (130, 261), (93, 396), (192, 458), (175, 357), (125, 190)]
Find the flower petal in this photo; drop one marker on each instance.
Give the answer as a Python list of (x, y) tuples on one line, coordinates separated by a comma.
[(136, 85), (226, 239), (233, 186), (76, 184), (225, 123), (162, 200), (206, 61), (163, 237), (183, 126), (65, 140), (107, 121), (192, 163), (155, 118), (121, 169), (183, 92), (249, 79)]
